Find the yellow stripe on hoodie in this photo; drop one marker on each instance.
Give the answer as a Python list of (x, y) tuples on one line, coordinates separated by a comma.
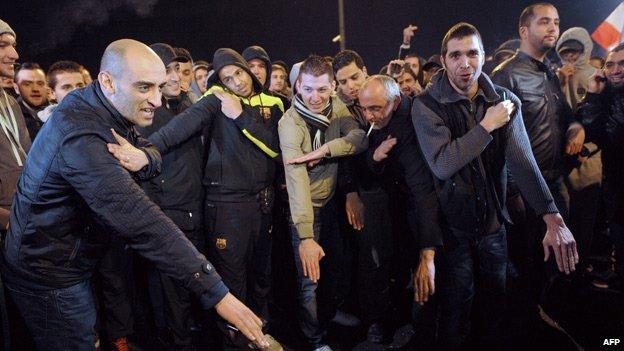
[(261, 100)]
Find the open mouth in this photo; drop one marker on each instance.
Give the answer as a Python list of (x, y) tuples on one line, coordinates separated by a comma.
[(148, 112)]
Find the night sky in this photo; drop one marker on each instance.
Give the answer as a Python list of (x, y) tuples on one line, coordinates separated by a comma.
[(51, 30)]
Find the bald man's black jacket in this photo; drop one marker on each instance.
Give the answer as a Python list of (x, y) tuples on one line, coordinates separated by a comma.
[(73, 195)]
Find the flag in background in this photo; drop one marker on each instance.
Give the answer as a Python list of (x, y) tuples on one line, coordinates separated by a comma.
[(609, 33)]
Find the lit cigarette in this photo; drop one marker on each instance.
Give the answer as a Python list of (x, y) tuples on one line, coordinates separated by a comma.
[(370, 129)]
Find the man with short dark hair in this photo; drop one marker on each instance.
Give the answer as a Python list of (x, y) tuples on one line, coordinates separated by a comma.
[(314, 131), (470, 130), (554, 135), (77, 190), (63, 78), (30, 84), (186, 73)]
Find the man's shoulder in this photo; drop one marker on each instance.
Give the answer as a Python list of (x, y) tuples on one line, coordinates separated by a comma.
[(76, 113), (339, 109), (290, 117), (271, 101)]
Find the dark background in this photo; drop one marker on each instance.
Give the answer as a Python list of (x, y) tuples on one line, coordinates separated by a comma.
[(51, 30)]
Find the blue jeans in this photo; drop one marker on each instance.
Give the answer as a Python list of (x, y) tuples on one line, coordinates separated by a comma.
[(61, 319), (469, 260), (315, 312)]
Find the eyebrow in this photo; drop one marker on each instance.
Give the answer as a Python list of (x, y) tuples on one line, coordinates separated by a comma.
[(143, 82), (235, 72)]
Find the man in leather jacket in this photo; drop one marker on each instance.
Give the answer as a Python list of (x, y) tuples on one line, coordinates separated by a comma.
[(72, 188), (553, 133)]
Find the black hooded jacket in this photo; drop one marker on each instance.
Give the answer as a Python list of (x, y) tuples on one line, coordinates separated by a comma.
[(240, 153)]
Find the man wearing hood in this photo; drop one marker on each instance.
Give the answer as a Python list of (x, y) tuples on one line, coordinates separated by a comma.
[(260, 65), (575, 47), (239, 126)]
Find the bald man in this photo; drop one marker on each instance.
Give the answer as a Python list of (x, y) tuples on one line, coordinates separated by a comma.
[(79, 185)]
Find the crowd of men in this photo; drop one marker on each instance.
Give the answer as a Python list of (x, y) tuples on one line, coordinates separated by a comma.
[(456, 177)]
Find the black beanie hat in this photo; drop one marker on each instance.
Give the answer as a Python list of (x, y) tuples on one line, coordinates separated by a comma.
[(257, 52)]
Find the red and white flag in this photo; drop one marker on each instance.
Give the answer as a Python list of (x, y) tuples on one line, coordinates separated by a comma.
[(609, 33)]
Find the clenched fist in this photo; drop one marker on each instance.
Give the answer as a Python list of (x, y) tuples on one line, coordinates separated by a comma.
[(497, 116)]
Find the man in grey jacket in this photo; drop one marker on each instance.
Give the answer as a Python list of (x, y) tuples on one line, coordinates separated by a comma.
[(469, 131)]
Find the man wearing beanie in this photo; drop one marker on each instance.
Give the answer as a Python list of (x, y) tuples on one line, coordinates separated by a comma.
[(14, 138), (239, 125), (176, 190), (260, 65)]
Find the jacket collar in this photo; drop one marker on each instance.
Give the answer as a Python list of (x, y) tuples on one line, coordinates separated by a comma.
[(442, 90), (119, 121), (539, 65)]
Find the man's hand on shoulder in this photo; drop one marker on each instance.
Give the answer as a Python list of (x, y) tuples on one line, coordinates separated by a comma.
[(129, 157)]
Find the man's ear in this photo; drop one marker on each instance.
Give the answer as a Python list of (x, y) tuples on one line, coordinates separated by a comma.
[(106, 82), (364, 70), (523, 32), (396, 103)]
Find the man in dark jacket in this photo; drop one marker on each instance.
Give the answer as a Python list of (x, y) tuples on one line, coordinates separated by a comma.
[(31, 85), (602, 115), (553, 133), (468, 135), (177, 190), (240, 131), (72, 187), (395, 158)]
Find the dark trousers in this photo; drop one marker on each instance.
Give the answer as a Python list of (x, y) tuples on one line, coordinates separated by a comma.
[(616, 225), (318, 306), (583, 212), (470, 261), (531, 278), (239, 246), (175, 301), (60, 319), (375, 248), (114, 270)]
